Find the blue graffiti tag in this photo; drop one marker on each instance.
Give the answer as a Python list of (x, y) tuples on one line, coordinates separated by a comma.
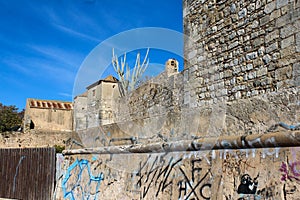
[(74, 187)]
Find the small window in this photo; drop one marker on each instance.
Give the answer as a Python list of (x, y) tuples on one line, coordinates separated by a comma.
[(94, 92)]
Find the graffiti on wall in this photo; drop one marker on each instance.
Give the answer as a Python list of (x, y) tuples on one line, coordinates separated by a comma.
[(79, 181), (192, 186), (248, 186), (290, 171), (172, 177), (290, 176), (235, 163), (239, 174)]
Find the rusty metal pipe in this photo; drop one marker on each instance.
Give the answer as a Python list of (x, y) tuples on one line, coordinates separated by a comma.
[(268, 140)]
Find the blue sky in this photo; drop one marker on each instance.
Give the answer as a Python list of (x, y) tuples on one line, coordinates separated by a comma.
[(44, 43)]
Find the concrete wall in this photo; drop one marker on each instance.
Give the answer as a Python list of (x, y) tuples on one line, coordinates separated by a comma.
[(215, 174)]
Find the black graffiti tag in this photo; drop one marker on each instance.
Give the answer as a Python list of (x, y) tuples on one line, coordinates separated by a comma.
[(156, 175), (186, 183)]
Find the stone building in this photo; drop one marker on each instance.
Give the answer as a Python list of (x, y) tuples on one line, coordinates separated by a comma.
[(95, 106), (48, 115), (80, 112), (102, 105)]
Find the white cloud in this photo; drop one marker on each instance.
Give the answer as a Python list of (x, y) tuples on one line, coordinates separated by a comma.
[(62, 56), (65, 94), (76, 33)]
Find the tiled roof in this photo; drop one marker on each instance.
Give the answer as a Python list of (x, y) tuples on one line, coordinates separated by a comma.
[(50, 104), (109, 78), (85, 94)]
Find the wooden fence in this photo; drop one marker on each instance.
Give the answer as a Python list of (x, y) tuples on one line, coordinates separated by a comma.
[(27, 174)]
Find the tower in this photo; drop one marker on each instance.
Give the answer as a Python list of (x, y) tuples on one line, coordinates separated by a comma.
[(171, 66)]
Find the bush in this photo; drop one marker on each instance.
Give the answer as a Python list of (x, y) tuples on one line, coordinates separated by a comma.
[(58, 148), (10, 118)]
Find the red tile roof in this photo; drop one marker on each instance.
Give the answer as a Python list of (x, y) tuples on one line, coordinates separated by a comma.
[(50, 104)]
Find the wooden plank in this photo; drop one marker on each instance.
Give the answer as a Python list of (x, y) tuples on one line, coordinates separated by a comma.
[(27, 173)]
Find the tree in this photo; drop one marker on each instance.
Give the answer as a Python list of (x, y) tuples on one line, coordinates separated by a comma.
[(128, 80), (9, 117)]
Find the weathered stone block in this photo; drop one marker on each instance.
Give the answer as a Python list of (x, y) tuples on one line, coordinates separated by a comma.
[(227, 73), (242, 13), (272, 47), (251, 56), (262, 71), (288, 42), (275, 14), (258, 4), (233, 8), (264, 20), (283, 20), (267, 58), (241, 32), (270, 7), (192, 54), (287, 30), (255, 24), (296, 74), (261, 51), (249, 66), (281, 3), (283, 73), (272, 36), (288, 52), (298, 42), (252, 75), (258, 41), (232, 45)]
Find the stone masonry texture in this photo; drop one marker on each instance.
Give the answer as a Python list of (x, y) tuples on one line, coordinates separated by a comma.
[(240, 77)]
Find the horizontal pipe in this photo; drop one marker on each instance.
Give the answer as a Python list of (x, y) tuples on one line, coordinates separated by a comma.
[(268, 140)]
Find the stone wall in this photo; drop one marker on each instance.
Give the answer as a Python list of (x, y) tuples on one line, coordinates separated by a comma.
[(156, 112), (34, 138), (240, 49), (268, 173), (241, 75)]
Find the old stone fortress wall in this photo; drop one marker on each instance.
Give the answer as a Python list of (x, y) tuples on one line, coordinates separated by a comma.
[(239, 88), (241, 76)]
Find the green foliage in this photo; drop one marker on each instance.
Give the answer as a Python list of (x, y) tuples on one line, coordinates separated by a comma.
[(9, 117), (58, 148)]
